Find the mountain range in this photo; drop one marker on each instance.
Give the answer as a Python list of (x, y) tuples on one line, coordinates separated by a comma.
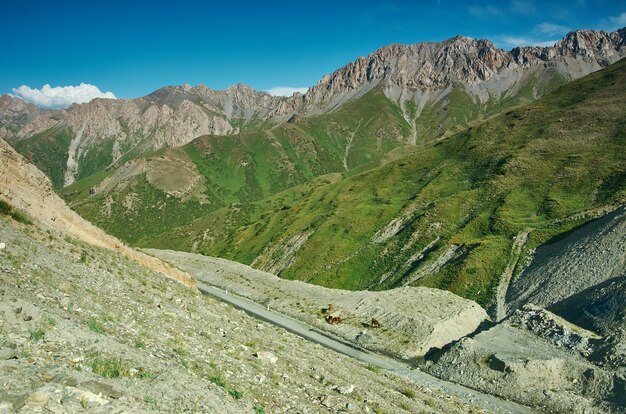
[(461, 208), (292, 185)]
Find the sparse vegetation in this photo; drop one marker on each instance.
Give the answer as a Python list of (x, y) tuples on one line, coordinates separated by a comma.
[(37, 334), (17, 215), (21, 217), (109, 367), (236, 394), (408, 392), (5, 208), (84, 403), (95, 325), (218, 379)]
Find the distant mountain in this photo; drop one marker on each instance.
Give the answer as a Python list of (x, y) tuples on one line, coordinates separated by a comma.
[(461, 214), (435, 86), (423, 72), (87, 138)]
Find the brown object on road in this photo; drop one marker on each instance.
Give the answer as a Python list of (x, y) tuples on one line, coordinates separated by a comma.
[(333, 320)]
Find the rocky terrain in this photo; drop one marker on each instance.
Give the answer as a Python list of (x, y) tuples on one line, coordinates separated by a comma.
[(534, 356), (423, 71), (587, 264), (84, 326), (412, 320), (516, 364), (84, 329), (563, 345), (28, 189)]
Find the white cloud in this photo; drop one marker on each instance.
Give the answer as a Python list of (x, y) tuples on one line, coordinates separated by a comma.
[(285, 90), (551, 29), (509, 42), (60, 96), (619, 21)]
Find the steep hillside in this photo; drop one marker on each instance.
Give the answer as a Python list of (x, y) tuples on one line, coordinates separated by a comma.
[(26, 188), (580, 275), (85, 329), (447, 215), (87, 324)]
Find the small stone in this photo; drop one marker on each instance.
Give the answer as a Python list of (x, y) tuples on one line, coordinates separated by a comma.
[(346, 389), (7, 353), (100, 388), (28, 318), (18, 310), (327, 401), (266, 356), (38, 399)]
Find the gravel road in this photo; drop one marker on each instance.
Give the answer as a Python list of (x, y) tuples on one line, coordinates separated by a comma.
[(336, 344)]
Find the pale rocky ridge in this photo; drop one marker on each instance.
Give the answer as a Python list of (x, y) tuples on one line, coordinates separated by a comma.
[(26, 188), (423, 73)]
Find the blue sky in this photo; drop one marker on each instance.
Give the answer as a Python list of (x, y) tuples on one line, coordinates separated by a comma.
[(133, 49)]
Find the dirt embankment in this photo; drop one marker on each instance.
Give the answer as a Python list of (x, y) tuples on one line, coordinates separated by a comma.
[(412, 320), (26, 188), (589, 259)]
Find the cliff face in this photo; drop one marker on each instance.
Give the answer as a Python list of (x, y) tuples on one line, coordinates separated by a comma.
[(422, 73), (460, 61)]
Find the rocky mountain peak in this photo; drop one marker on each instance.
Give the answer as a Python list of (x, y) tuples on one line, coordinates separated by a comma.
[(460, 60), (588, 44)]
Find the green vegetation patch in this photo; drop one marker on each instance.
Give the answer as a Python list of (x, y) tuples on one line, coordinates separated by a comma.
[(48, 151), (459, 202)]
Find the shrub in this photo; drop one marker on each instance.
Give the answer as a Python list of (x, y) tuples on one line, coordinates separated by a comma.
[(109, 367), (5, 208), (37, 334), (218, 379), (95, 326), (236, 394), (408, 392), (21, 217)]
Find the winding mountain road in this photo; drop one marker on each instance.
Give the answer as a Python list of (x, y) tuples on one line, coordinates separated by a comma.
[(329, 341)]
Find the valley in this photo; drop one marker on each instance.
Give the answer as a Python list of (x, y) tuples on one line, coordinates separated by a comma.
[(437, 227)]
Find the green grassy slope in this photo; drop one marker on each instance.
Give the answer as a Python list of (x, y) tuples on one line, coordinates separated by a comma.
[(48, 151), (451, 210), (254, 165), (247, 167)]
